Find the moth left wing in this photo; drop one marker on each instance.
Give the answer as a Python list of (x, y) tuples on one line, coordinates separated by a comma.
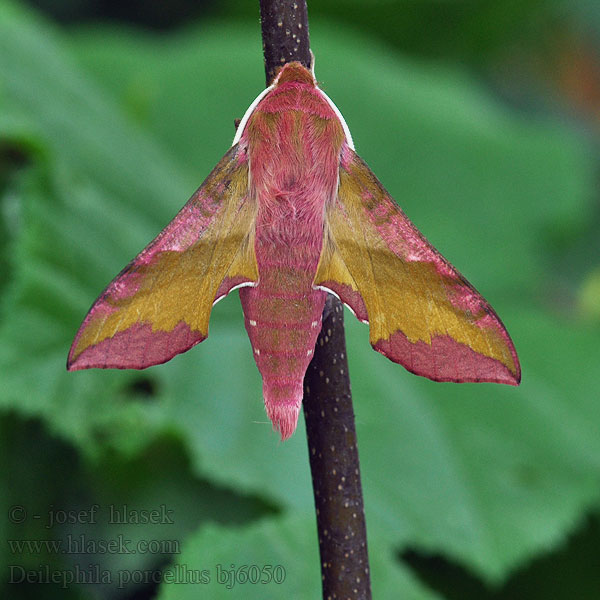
[(422, 313), (160, 304)]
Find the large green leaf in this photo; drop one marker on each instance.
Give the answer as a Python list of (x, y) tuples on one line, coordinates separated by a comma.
[(283, 552), (485, 474), (485, 460)]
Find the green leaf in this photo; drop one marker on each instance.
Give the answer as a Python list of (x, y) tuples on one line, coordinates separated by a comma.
[(222, 562), (502, 169)]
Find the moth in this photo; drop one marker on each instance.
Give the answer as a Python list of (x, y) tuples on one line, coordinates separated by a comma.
[(289, 214)]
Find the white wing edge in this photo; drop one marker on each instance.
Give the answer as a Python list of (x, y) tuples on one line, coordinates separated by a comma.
[(244, 121), (326, 289)]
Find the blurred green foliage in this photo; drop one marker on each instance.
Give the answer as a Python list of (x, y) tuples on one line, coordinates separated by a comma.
[(104, 133)]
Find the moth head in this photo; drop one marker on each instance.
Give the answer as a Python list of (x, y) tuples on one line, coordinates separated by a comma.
[(294, 72)]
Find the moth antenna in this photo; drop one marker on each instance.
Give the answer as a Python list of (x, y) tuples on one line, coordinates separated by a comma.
[(312, 64)]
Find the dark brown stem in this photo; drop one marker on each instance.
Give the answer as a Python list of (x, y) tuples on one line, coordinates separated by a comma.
[(333, 453), (284, 26), (328, 412)]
